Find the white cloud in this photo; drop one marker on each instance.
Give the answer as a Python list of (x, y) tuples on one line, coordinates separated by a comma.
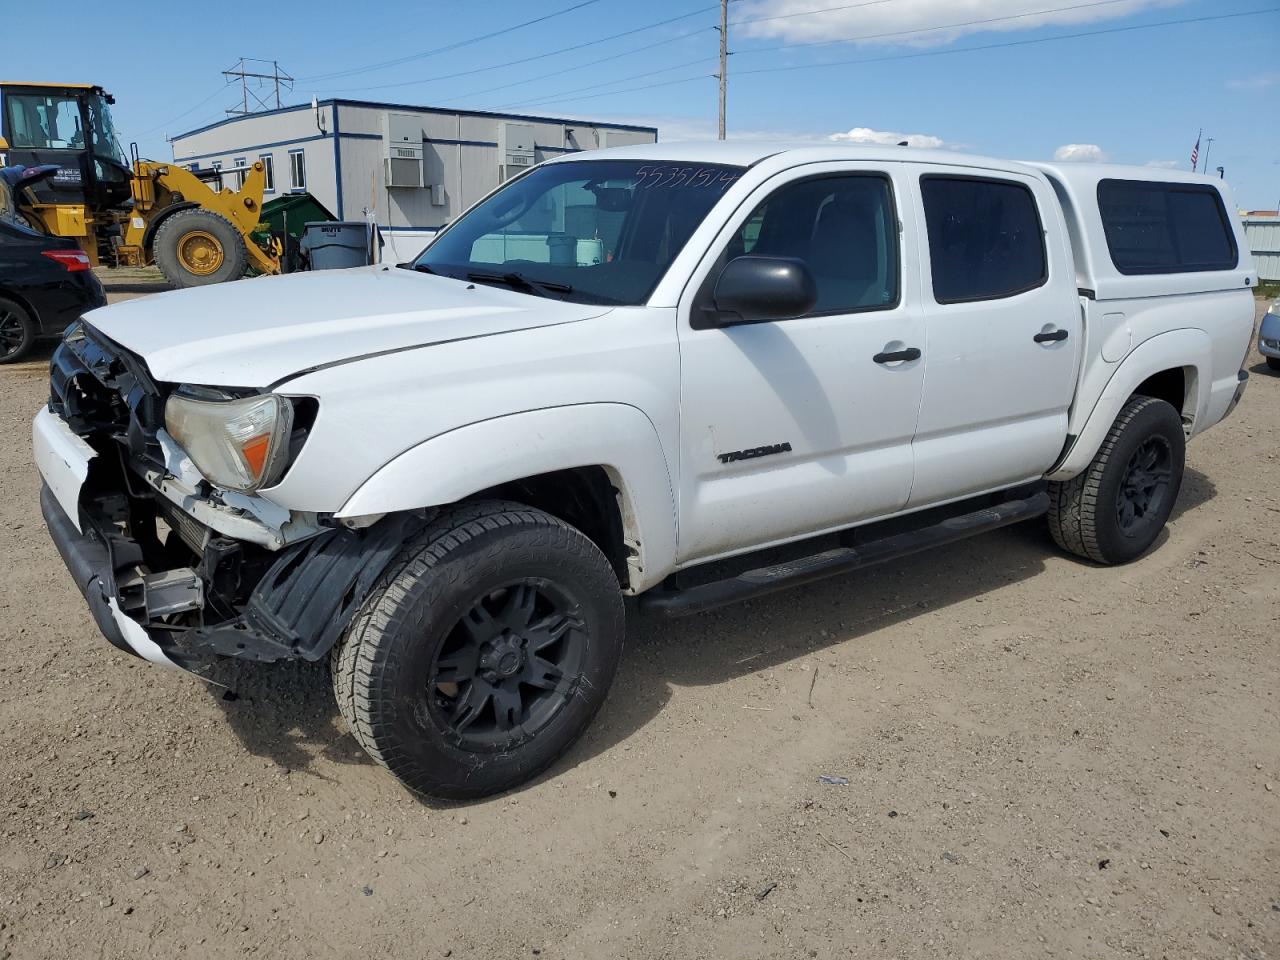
[(1163, 164), (887, 137), (1260, 81), (915, 21), (1080, 152)]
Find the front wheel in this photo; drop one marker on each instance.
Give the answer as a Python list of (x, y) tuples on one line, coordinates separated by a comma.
[(1114, 510), (197, 247), (483, 653)]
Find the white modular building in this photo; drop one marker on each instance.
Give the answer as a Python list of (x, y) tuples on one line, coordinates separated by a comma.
[(412, 169)]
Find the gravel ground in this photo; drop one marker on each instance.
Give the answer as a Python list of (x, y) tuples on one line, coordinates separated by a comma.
[(1045, 759)]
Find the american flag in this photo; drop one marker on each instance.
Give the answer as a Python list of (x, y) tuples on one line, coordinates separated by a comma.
[(1195, 152)]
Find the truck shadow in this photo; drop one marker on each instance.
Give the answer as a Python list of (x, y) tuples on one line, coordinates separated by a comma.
[(286, 713)]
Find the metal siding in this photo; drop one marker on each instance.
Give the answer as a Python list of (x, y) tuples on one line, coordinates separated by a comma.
[(460, 152), (1263, 234)]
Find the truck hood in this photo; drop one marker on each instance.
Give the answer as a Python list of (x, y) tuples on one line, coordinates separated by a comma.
[(255, 333)]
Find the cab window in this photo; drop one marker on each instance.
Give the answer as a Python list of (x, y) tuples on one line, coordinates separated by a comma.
[(844, 228)]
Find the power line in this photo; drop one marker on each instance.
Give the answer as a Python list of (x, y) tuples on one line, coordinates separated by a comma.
[(452, 46), (576, 67), (184, 113), (542, 56), (928, 53)]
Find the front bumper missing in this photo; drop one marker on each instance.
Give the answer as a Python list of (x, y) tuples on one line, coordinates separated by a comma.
[(89, 560)]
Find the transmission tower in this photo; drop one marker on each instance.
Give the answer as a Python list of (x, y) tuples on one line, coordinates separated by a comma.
[(255, 80)]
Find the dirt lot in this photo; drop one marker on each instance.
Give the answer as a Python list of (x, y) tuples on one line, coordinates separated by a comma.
[(1045, 758)]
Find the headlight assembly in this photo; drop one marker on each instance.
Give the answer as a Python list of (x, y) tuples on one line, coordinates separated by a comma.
[(240, 445)]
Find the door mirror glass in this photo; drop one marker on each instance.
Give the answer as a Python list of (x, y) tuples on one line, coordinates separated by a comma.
[(755, 289)]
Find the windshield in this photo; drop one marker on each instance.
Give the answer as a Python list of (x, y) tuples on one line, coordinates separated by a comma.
[(592, 231), (103, 129), (41, 121)]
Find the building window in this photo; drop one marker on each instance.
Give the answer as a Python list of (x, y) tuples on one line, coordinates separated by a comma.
[(194, 167), (268, 172), (241, 171), (1154, 227), (985, 238), (217, 164), (297, 170)]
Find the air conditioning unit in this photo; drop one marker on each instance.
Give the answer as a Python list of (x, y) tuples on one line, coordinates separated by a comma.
[(515, 149), (402, 142)]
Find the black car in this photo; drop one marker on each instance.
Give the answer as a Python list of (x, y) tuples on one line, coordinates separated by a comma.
[(45, 283)]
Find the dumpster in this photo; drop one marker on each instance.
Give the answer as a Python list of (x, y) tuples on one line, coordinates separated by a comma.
[(286, 217), (334, 246)]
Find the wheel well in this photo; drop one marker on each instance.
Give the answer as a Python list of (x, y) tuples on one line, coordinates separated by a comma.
[(25, 305), (1167, 385), (583, 497)]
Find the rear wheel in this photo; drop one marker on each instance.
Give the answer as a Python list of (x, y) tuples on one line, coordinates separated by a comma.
[(1114, 510), (483, 653), (17, 331), (198, 247)]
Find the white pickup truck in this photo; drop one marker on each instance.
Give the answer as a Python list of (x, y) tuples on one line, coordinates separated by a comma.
[(619, 366)]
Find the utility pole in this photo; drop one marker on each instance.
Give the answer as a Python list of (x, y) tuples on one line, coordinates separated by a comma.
[(724, 57), (1207, 147)]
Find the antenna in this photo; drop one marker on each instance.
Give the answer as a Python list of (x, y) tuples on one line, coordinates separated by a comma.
[(245, 71)]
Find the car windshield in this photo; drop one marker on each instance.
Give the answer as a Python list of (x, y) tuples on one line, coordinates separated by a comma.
[(591, 231)]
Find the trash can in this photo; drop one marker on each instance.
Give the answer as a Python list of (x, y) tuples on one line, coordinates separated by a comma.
[(284, 218), (335, 246)]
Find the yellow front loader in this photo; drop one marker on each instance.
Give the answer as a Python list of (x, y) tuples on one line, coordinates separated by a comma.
[(127, 212)]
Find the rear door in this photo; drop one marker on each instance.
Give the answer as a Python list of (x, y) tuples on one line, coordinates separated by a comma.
[(1003, 331)]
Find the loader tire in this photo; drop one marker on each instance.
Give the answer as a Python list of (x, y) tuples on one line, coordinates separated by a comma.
[(193, 248)]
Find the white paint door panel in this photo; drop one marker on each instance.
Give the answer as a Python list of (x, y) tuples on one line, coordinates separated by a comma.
[(809, 383), (1002, 350)]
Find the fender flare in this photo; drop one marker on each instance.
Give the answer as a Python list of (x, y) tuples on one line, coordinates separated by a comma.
[(1189, 348), (149, 234), (618, 437)]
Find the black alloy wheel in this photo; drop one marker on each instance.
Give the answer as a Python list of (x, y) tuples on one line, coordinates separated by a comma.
[(483, 651), (509, 666), (17, 332), (1145, 485)]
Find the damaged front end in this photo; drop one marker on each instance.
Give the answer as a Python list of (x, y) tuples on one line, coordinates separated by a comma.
[(173, 569)]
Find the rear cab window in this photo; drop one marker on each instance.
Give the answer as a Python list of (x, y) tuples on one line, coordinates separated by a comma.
[(1159, 228), (986, 239)]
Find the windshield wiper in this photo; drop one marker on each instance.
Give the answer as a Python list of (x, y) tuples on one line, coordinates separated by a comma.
[(518, 281)]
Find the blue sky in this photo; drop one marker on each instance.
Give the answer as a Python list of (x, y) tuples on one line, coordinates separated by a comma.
[(1131, 95)]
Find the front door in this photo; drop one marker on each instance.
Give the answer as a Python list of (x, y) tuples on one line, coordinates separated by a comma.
[(1003, 332), (797, 426)]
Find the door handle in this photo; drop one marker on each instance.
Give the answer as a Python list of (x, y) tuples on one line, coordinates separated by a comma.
[(893, 356), (1052, 336)]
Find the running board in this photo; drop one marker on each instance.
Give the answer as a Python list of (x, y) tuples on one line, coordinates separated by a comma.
[(831, 563)]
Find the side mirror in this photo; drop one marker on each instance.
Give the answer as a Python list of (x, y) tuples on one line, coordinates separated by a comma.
[(759, 289)]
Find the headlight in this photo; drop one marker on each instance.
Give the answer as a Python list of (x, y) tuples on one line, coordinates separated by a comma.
[(237, 444)]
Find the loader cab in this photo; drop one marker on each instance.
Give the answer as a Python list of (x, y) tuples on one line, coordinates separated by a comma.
[(70, 125)]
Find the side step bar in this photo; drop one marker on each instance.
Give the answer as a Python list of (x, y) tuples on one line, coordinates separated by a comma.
[(831, 563)]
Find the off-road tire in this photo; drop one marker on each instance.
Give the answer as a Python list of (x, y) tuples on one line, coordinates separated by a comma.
[(17, 331), (178, 226), (384, 664), (1083, 514)]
